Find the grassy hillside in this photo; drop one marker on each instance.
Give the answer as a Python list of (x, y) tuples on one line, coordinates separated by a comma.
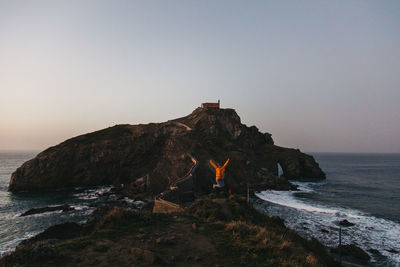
[(213, 231)]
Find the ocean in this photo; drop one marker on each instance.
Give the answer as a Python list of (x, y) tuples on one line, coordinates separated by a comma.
[(14, 229), (361, 188)]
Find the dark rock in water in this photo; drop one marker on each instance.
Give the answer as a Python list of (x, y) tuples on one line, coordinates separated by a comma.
[(64, 208), (346, 223), (152, 158), (392, 250), (374, 251), (273, 182), (353, 251)]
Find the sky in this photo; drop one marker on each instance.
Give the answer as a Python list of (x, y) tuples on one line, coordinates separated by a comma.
[(321, 76)]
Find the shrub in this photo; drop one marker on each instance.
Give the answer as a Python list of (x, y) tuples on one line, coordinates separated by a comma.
[(207, 209)]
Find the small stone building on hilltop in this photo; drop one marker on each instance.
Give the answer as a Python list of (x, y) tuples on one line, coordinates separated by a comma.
[(211, 105)]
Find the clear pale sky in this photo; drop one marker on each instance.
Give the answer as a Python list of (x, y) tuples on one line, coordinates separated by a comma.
[(318, 75)]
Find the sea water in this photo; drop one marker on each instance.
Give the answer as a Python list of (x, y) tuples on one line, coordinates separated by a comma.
[(361, 188), (14, 228)]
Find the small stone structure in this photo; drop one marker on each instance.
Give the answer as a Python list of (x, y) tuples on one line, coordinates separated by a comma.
[(211, 105), (163, 206)]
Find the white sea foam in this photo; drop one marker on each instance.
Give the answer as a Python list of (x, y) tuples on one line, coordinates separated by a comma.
[(102, 190), (136, 203), (8, 246), (80, 207), (88, 212), (86, 196), (93, 193), (43, 214), (309, 219), (285, 198)]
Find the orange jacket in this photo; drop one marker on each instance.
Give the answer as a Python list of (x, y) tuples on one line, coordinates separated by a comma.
[(219, 171)]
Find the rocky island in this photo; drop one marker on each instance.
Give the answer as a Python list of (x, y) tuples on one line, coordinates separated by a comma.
[(150, 159)]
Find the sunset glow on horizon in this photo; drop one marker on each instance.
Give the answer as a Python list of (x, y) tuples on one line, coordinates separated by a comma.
[(322, 76)]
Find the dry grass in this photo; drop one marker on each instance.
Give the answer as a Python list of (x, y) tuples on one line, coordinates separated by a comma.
[(261, 246), (114, 216), (311, 260), (242, 229)]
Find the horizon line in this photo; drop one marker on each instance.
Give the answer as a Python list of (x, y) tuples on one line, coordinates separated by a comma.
[(307, 152)]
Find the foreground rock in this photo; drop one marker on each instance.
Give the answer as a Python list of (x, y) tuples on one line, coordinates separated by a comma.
[(211, 232), (59, 231), (149, 159), (33, 211)]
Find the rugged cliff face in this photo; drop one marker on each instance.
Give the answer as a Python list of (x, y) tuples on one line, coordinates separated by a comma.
[(151, 158)]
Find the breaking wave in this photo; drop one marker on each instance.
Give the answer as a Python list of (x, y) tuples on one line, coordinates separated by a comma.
[(313, 219)]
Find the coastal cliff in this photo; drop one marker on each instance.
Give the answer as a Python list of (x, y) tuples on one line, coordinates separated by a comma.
[(149, 159)]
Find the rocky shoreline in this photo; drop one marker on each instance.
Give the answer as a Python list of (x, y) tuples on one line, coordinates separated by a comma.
[(214, 230), (68, 244)]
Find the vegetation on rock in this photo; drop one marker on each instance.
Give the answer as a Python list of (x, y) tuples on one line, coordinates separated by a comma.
[(213, 231), (149, 159)]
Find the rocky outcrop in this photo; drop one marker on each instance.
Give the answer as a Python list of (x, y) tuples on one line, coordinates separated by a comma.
[(59, 231), (149, 159), (33, 211), (346, 223)]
